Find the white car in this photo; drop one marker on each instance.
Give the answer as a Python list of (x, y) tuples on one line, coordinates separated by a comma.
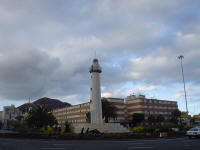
[(193, 132)]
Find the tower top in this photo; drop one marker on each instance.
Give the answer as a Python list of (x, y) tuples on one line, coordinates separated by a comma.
[(95, 66)]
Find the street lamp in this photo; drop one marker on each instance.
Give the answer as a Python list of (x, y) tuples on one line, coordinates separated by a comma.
[(181, 58)]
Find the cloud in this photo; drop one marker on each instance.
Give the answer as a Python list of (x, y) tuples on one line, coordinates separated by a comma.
[(192, 93), (146, 88), (47, 47), (164, 68), (106, 94), (25, 73)]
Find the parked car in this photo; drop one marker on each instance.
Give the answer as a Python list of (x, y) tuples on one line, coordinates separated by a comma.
[(193, 132)]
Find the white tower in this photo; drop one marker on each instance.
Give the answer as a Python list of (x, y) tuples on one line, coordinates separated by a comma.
[(95, 93)]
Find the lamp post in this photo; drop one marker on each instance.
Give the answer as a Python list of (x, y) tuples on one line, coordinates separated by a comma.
[(181, 58)]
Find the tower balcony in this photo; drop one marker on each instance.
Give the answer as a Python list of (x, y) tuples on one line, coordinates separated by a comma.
[(95, 66), (95, 69)]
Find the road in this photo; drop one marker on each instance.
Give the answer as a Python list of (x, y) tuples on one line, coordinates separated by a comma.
[(136, 144)]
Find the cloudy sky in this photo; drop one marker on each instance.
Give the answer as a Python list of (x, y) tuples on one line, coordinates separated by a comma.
[(47, 46)]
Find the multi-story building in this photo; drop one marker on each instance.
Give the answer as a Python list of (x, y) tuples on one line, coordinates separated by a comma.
[(74, 114), (197, 119), (77, 114), (121, 107), (10, 113), (140, 104)]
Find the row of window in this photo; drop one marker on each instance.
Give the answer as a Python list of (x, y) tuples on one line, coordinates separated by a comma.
[(71, 112), (146, 118), (157, 102), (71, 116), (72, 121), (72, 107), (156, 112), (158, 107)]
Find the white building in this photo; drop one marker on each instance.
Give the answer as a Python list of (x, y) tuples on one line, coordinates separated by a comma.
[(9, 114)]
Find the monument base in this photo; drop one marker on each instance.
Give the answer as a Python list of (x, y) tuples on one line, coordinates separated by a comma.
[(104, 128)]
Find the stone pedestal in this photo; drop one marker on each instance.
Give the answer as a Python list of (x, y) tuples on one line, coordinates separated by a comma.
[(103, 128)]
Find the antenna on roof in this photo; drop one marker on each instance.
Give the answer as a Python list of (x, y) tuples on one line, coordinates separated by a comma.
[(95, 54)]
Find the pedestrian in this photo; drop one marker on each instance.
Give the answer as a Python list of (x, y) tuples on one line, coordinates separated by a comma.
[(87, 131), (82, 131)]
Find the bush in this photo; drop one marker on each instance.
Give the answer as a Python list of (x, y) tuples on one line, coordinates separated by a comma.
[(22, 127), (42, 131), (138, 129), (165, 129), (186, 128), (150, 129), (67, 127), (50, 131), (172, 125)]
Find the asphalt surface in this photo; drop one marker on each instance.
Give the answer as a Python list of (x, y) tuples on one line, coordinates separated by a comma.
[(136, 144)]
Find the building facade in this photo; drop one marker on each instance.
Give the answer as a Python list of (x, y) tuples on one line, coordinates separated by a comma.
[(121, 109), (77, 114), (197, 119), (155, 107), (10, 113)]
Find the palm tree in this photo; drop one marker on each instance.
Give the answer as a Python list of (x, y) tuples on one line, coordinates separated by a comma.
[(176, 114), (137, 118), (39, 117), (151, 119), (108, 110), (160, 119)]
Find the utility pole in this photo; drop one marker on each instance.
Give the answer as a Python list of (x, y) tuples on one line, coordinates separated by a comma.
[(181, 58)]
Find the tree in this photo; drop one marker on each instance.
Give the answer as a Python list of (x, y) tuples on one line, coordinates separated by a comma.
[(39, 117), (68, 127), (1, 124), (19, 118), (192, 121), (176, 114), (137, 118), (151, 119), (185, 115), (160, 119), (108, 110)]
